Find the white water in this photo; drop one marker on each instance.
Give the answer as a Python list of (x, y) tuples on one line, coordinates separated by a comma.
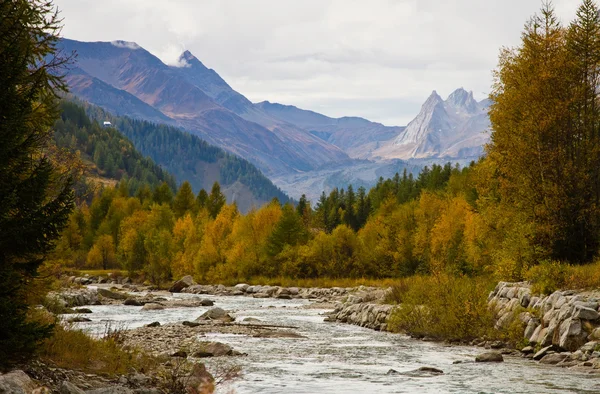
[(340, 358)]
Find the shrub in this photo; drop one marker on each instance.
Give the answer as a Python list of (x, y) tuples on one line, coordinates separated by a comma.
[(443, 307)]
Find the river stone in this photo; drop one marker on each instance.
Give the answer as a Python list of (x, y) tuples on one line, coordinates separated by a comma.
[(212, 349), (182, 283), (242, 286), (152, 306), (83, 310), (215, 314), (153, 324), (199, 381), (252, 320), (261, 295), (112, 294), (180, 354), (190, 323), (554, 358), (527, 350), (16, 382), (585, 313), (132, 302), (572, 335), (542, 352), (70, 388), (207, 302), (79, 319), (489, 357)]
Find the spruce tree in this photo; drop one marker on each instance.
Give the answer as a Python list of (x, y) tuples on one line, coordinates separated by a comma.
[(185, 200), (216, 200), (35, 200)]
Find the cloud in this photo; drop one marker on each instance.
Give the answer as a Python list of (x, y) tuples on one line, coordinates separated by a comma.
[(125, 44), (378, 59)]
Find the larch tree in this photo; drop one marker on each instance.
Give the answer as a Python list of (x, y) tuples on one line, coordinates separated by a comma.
[(35, 200)]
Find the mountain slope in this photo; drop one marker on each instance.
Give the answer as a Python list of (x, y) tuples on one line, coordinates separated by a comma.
[(107, 155), (451, 129), (189, 158), (130, 68), (356, 136)]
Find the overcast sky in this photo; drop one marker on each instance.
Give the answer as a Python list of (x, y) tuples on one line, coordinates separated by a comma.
[(369, 58)]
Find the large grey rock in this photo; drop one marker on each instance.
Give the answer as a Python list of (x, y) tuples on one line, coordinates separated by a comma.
[(182, 283), (70, 388), (212, 349), (542, 352), (584, 313), (242, 286), (215, 314), (489, 357), (199, 381), (554, 358), (112, 294), (16, 382), (571, 334)]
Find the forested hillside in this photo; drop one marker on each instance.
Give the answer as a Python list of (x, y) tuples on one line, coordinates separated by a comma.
[(192, 159), (108, 157)]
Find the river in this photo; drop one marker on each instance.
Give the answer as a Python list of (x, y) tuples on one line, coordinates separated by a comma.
[(341, 358)]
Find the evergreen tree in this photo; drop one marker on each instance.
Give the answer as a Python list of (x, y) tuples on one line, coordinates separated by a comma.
[(216, 200), (202, 199), (184, 200), (35, 200), (289, 231), (163, 194)]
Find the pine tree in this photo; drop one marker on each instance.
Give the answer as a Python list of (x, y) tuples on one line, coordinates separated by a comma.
[(288, 231), (216, 200), (202, 199), (184, 200), (35, 200)]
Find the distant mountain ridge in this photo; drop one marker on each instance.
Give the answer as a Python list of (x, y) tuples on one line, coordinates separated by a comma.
[(287, 143), (177, 93), (453, 128)]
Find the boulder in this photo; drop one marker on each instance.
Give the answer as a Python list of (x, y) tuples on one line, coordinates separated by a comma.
[(527, 350), (207, 302), (199, 381), (70, 388), (79, 319), (212, 349), (488, 357), (571, 334), (112, 294), (242, 286), (190, 323), (152, 306), (180, 354), (153, 324), (542, 352), (16, 382), (132, 302), (584, 313), (182, 283), (554, 358), (83, 310), (215, 314)]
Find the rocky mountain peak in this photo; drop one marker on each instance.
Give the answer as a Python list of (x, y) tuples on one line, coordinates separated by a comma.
[(464, 100)]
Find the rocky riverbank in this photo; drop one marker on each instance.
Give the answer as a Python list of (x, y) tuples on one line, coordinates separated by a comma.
[(562, 328)]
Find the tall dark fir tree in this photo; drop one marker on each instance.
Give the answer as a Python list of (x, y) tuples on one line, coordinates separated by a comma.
[(35, 199)]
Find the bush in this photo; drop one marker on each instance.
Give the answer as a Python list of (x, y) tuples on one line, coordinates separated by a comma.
[(443, 307)]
